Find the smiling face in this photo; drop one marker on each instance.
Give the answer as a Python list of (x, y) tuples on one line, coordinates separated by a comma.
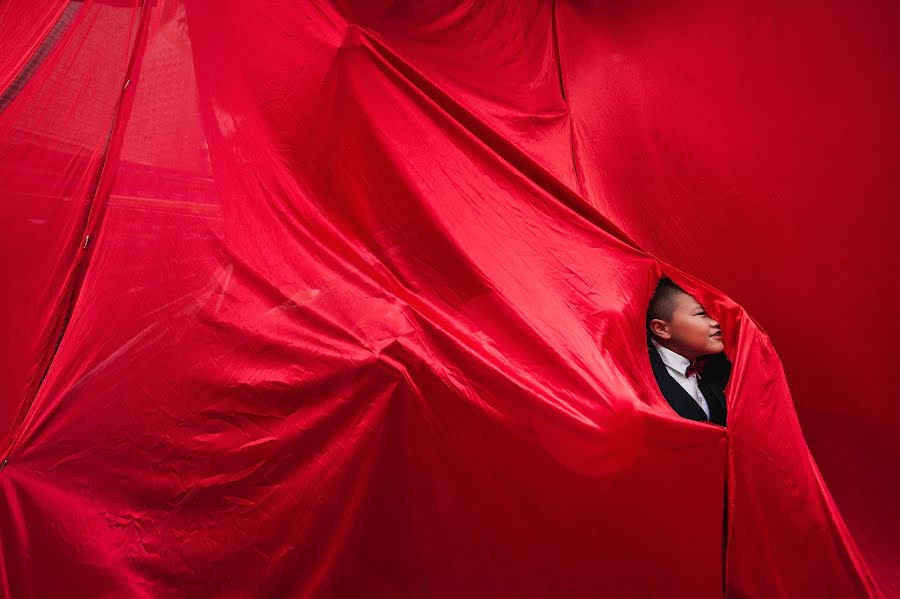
[(690, 331)]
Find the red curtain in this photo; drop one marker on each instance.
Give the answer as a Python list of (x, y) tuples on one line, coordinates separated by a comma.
[(347, 299)]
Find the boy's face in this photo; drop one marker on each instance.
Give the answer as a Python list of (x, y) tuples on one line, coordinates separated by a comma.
[(691, 332)]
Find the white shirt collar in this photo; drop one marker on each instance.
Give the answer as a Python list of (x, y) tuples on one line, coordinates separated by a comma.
[(671, 359)]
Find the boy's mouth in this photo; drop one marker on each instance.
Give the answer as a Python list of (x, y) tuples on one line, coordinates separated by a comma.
[(717, 334)]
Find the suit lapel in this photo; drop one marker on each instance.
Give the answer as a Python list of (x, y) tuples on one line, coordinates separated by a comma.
[(715, 397), (680, 400)]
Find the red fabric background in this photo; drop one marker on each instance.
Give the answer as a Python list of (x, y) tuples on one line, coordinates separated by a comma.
[(360, 310)]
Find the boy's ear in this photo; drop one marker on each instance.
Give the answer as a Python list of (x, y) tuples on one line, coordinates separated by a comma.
[(660, 328)]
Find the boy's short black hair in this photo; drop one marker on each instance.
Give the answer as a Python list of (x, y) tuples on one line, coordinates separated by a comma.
[(662, 304)]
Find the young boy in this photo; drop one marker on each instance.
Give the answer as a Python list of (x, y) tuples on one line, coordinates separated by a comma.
[(685, 345)]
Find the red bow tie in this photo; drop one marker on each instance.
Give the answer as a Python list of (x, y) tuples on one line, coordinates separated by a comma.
[(695, 368)]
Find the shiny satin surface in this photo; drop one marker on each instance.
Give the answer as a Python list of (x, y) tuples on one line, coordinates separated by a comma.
[(346, 299)]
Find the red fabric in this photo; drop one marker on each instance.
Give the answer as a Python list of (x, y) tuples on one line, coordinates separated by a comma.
[(25, 26), (347, 299)]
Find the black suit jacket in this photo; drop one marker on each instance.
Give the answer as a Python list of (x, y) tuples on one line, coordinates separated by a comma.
[(712, 384)]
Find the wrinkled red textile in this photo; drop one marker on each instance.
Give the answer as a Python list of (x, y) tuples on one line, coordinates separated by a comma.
[(347, 299)]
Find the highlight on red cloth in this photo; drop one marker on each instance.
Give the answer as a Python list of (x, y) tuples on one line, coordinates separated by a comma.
[(347, 299)]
